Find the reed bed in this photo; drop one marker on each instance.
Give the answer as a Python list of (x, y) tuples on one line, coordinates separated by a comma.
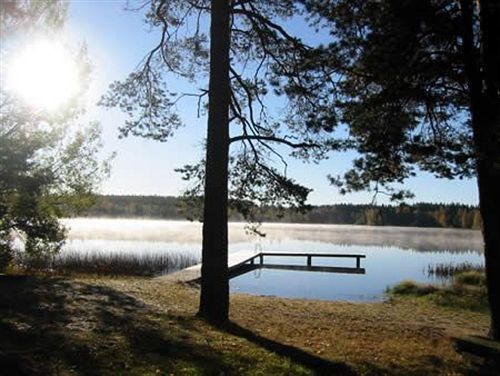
[(448, 271), (121, 263), (111, 263)]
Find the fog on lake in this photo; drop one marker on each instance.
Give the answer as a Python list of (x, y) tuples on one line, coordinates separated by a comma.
[(392, 253)]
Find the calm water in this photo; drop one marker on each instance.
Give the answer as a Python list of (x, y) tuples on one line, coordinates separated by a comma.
[(392, 253)]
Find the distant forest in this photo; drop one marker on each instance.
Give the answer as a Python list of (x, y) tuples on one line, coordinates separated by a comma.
[(419, 215)]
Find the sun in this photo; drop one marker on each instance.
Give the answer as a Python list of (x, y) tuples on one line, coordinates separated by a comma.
[(44, 74)]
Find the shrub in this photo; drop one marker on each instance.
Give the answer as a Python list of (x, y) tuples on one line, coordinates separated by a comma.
[(471, 278), (467, 292), (411, 288)]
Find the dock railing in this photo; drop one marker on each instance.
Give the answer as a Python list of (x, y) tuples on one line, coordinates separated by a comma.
[(258, 261)]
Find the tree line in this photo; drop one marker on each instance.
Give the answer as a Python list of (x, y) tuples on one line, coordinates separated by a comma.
[(418, 215)]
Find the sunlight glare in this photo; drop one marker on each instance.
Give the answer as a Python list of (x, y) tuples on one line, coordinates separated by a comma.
[(44, 75)]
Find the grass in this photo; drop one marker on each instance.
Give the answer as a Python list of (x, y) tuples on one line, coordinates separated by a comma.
[(147, 326), (409, 287), (114, 263), (468, 291), (471, 278)]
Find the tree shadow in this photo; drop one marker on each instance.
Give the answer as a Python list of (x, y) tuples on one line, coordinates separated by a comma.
[(52, 326), (317, 364)]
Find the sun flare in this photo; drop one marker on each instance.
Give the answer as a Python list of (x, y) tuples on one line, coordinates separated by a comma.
[(44, 75)]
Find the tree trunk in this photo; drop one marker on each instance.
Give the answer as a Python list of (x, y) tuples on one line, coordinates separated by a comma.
[(214, 300), (488, 141), (481, 68), (489, 203)]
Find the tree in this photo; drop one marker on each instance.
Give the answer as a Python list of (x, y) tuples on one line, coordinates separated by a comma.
[(251, 56), (418, 84), (48, 162), (23, 15)]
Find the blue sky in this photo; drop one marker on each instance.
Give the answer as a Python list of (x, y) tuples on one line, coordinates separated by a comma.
[(117, 40)]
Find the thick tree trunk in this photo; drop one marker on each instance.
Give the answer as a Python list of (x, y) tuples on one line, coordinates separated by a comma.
[(489, 202), (214, 300), (487, 132), (482, 70)]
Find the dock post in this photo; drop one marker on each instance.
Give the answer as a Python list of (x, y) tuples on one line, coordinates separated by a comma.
[(358, 262), (261, 257), (309, 260)]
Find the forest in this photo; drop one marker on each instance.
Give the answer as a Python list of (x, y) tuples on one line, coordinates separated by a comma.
[(418, 214)]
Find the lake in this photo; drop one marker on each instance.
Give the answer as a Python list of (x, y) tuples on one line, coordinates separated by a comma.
[(392, 254)]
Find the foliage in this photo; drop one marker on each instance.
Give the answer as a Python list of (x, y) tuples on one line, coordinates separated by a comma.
[(22, 15), (399, 83), (48, 162)]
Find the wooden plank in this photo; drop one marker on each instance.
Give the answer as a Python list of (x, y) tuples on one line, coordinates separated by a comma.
[(249, 260), (242, 269), (323, 269), (245, 268), (294, 254)]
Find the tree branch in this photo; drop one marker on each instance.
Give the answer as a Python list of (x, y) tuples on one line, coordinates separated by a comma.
[(273, 139)]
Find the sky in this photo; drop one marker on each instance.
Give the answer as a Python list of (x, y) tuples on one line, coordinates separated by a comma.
[(117, 40)]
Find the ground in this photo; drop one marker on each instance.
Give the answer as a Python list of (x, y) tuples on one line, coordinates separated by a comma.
[(140, 326)]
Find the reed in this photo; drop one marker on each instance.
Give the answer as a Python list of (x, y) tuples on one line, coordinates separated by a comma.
[(447, 271), (114, 263)]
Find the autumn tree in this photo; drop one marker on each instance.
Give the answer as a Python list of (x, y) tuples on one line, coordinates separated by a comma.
[(247, 55), (417, 82)]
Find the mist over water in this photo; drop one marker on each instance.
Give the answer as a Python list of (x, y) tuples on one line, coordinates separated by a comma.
[(279, 236), (392, 253)]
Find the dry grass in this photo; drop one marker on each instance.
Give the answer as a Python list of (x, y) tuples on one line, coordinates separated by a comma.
[(400, 336), (147, 326)]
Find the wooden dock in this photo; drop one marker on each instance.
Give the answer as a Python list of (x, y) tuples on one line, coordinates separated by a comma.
[(258, 261), (245, 261)]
